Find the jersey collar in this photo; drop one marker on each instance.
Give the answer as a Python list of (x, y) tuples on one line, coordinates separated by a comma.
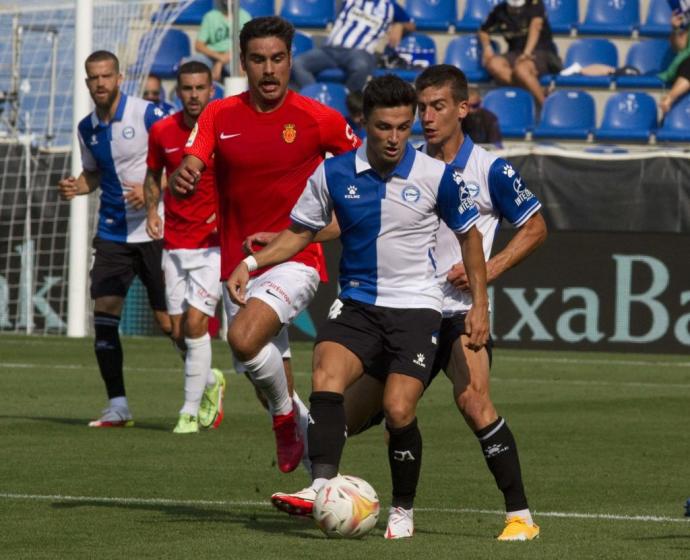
[(402, 170), (464, 153), (119, 112)]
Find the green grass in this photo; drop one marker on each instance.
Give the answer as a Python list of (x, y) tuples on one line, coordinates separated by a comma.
[(597, 433)]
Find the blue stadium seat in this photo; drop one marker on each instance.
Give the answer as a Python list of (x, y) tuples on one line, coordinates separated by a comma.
[(258, 8), (465, 52), (567, 114), (194, 13), (301, 43), (333, 95), (434, 15), (419, 50), (174, 47), (309, 13), (628, 117), (563, 15), (475, 13), (658, 22), (676, 125), (610, 17), (514, 108), (585, 52), (650, 57)]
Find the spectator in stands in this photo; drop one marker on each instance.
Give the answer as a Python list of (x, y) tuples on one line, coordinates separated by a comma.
[(678, 72), (359, 27), (355, 113), (480, 124), (153, 92), (213, 40), (531, 50)]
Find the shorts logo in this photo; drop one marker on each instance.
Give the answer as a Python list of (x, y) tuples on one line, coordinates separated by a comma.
[(352, 192), (420, 361), (411, 194), (336, 309), (289, 133), (274, 290), (128, 132)]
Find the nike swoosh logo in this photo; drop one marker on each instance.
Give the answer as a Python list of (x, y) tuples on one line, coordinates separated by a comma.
[(270, 293), (224, 136), (171, 150)]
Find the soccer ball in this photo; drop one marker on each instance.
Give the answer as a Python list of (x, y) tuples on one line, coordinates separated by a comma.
[(346, 507)]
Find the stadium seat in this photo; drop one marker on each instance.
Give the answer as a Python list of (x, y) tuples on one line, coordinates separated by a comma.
[(173, 47), (676, 125), (419, 50), (514, 108), (658, 22), (567, 114), (585, 52), (650, 57), (329, 94), (475, 13), (194, 12), (258, 8), (309, 13), (610, 17), (465, 52), (563, 15), (433, 15), (628, 117), (301, 43)]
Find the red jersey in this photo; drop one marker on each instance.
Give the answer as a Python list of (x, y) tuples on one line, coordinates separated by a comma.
[(263, 161), (190, 223)]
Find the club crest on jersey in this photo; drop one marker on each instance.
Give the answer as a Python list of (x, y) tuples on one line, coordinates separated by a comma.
[(466, 200), (289, 133), (411, 194), (474, 189), (128, 132)]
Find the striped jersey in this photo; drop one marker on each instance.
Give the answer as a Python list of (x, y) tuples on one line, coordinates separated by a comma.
[(117, 150), (388, 225), (499, 192), (361, 23)]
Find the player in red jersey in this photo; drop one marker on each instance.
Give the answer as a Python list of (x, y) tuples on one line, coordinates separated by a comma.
[(266, 142), (191, 256)]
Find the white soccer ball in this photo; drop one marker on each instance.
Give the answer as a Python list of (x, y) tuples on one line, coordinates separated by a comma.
[(346, 507)]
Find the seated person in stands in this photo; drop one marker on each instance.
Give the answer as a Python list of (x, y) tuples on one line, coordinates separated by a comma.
[(678, 72), (352, 41), (480, 124), (213, 40), (531, 50), (153, 92)]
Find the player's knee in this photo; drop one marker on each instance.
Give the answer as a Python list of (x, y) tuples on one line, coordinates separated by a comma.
[(195, 328), (398, 414), (476, 407), (324, 380), (242, 346)]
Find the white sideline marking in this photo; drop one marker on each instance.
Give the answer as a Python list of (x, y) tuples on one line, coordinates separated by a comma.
[(230, 503), (593, 361)]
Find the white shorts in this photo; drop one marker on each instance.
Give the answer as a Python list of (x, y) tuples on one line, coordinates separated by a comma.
[(288, 289), (192, 277)]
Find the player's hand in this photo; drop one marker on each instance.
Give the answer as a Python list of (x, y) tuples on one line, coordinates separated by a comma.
[(154, 226), (134, 195), (262, 239), (68, 188), (458, 277), (477, 327), (237, 284), (183, 181)]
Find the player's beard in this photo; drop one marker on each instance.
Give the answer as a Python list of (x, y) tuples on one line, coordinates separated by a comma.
[(108, 103)]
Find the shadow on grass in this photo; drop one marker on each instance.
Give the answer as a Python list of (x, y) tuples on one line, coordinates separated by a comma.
[(154, 426)]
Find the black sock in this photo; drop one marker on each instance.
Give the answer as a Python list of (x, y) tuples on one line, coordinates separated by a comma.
[(500, 452), (326, 433), (109, 352), (405, 459)]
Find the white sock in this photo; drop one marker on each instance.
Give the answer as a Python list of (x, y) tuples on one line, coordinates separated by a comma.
[(267, 373), (303, 423), (120, 402), (197, 364), (210, 378), (523, 513)]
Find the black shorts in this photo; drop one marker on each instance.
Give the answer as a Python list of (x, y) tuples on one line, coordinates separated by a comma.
[(115, 265), (386, 340), (451, 329), (546, 62)]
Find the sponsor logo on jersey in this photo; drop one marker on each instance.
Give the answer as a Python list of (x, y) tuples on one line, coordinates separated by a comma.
[(289, 133), (411, 194), (192, 136), (224, 136), (352, 192), (523, 193), (128, 132)]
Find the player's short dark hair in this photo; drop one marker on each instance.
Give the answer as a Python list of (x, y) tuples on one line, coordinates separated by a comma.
[(440, 75), (387, 91), (194, 67), (102, 56), (268, 26)]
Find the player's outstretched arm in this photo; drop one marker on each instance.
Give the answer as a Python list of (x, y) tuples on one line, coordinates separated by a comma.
[(477, 319), (86, 183), (287, 244), (184, 179), (152, 196)]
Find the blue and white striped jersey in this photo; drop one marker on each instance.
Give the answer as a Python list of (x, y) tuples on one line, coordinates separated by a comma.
[(499, 192), (388, 225), (361, 23), (118, 151)]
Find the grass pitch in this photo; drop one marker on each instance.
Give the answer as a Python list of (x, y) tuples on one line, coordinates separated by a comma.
[(604, 443)]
